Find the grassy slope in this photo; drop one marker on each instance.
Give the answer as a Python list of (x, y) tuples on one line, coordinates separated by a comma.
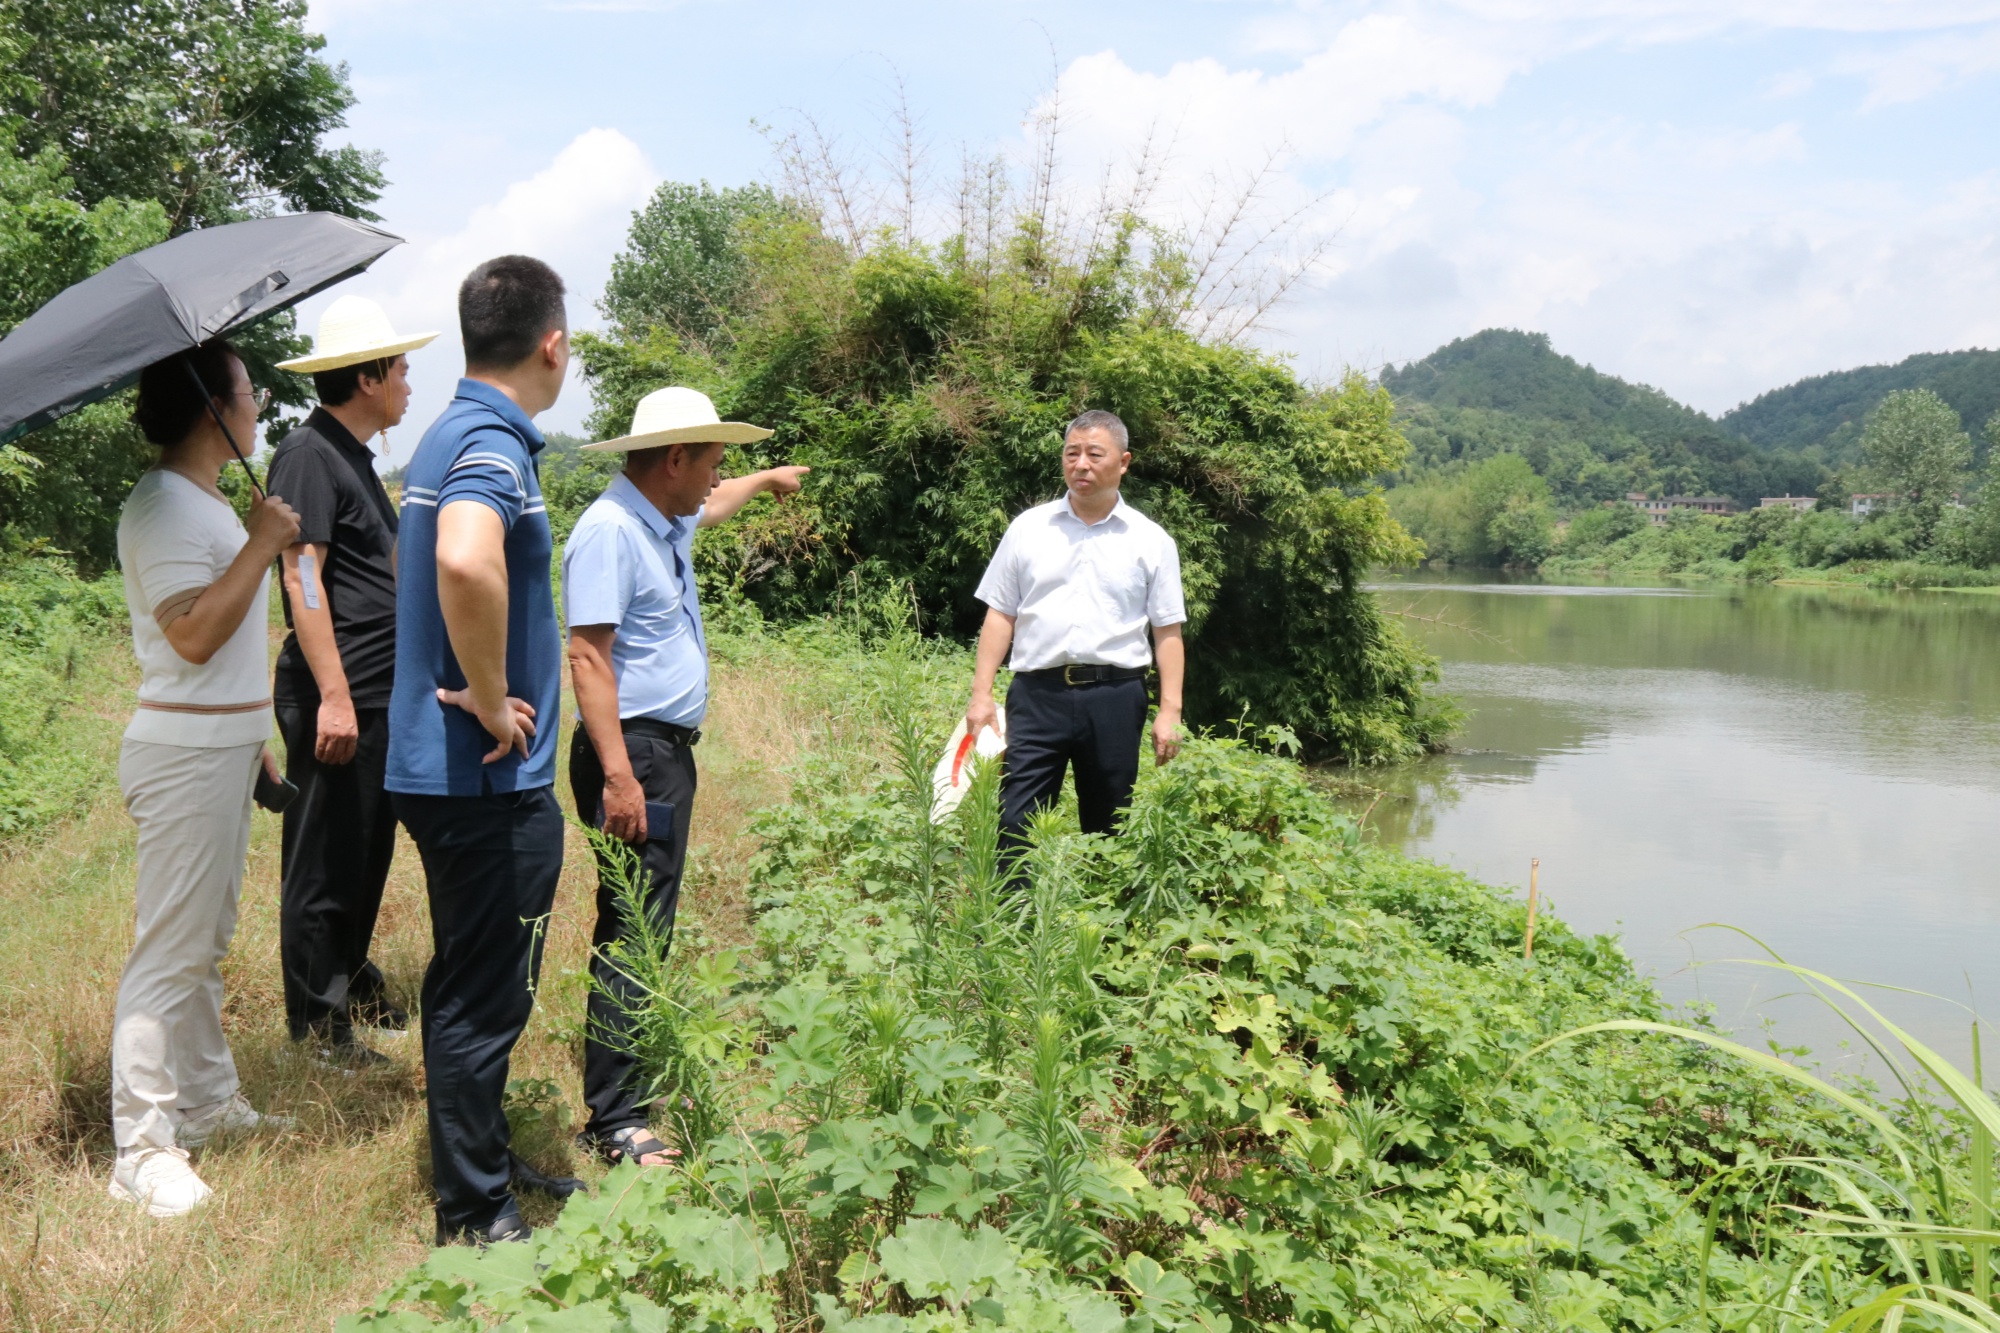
[(317, 1222)]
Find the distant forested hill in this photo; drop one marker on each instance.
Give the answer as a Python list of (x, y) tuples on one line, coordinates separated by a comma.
[(1591, 436), (1822, 416)]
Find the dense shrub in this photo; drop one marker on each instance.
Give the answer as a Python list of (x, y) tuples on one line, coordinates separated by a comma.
[(1494, 512), (928, 384), (51, 624)]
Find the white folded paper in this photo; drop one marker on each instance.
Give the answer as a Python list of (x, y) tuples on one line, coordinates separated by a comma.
[(953, 773)]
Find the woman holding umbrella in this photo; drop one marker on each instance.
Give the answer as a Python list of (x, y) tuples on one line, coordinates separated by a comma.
[(197, 583)]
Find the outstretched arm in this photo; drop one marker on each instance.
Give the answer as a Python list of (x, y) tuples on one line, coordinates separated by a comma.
[(732, 495)]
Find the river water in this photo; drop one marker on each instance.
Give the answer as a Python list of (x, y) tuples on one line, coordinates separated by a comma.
[(1818, 767)]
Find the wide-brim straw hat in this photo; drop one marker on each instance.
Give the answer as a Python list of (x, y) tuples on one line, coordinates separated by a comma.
[(679, 416), (353, 330)]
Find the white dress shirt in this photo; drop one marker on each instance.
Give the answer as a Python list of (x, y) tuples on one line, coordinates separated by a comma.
[(1084, 592)]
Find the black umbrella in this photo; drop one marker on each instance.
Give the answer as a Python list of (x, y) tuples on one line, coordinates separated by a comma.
[(95, 338)]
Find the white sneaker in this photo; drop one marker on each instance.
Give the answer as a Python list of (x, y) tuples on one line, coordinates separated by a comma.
[(158, 1180), (234, 1116)]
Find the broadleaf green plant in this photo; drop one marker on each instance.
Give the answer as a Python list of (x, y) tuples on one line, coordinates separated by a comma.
[(1235, 1068)]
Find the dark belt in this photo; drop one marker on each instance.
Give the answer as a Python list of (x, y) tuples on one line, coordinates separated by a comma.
[(1083, 673), (660, 731)]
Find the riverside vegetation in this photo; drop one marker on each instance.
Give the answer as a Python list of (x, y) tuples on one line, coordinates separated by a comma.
[(1234, 1069), (1238, 1068)]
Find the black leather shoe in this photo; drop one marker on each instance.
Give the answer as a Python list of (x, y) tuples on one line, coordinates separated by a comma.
[(525, 1177), (381, 1015), (506, 1227)]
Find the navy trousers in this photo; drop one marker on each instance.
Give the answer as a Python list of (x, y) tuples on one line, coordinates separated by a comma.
[(1093, 730), (491, 865), (339, 837), (612, 1083)]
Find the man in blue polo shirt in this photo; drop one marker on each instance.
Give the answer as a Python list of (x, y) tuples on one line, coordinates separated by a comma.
[(639, 660), (472, 724)]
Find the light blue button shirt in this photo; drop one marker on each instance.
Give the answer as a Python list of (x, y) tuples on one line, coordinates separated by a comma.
[(629, 565)]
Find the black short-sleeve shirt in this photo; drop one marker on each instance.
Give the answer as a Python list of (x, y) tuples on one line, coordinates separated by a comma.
[(324, 473)]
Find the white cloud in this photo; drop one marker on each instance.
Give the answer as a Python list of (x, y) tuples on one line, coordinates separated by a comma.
[(1713, 261), (1918, 69), (573, 214)]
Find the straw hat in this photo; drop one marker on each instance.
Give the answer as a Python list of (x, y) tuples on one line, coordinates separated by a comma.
[(679, 416), (352, 330)]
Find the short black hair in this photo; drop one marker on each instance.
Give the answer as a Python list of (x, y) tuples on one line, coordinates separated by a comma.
[(1099, 419), (505, 306), (334, 387), (169, 402)]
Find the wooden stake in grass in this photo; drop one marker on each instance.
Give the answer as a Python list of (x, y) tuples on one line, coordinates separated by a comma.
[(1534, 873)]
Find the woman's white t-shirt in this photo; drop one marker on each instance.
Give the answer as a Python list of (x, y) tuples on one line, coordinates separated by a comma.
[(174, 537)]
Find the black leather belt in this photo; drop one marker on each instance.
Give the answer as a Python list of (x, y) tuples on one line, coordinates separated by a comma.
[(1084, 673), (663, 731)]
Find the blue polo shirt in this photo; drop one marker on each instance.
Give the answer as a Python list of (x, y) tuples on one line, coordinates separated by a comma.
[(482, 448), (627, 564)]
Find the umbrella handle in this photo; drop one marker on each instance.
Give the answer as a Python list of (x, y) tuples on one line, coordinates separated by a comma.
[(234, 447)]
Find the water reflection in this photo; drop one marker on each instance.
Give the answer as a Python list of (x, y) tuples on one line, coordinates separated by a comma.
[(1818, 767)]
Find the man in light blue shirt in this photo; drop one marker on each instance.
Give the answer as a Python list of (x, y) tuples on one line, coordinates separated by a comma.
[(639, 660)]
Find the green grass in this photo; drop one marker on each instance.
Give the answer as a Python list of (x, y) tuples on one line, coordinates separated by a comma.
[(316, 1222), (1238, 1069)]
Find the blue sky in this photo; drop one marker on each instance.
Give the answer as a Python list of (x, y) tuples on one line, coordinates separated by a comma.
[(1712, 196)]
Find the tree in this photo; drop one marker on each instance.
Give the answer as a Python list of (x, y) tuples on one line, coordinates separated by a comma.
[(1496, 512), (123, 122), (1917, 447), (66, 483), (684, 269), (214, 109), (928, 384)]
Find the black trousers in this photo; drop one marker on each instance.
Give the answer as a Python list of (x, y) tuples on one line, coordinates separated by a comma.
[(339, 837), (666, 772), (1051, 727), (491, 865)]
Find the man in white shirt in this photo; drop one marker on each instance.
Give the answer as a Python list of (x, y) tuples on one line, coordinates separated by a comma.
[(1073, 589)]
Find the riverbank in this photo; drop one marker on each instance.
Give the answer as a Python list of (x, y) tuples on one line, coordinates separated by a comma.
[(1892, 575), (1281, 1075)]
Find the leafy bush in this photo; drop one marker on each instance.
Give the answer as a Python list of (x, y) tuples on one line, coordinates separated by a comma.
[(1232, 1069), (1495, 512), (928, 384), (1925, 574), (50, 621), (1594, 529)]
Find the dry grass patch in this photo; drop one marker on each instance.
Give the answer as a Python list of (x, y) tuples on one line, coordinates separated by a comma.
[(311, 1224)]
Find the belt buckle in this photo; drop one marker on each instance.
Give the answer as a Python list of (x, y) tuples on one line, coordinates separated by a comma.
[(1068, 679)]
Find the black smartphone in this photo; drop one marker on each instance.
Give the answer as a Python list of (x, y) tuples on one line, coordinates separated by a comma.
[(659, 821), (273, 796)]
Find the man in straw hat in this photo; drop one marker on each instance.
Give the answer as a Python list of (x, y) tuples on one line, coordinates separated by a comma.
[(333, 680), (639, 661)]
